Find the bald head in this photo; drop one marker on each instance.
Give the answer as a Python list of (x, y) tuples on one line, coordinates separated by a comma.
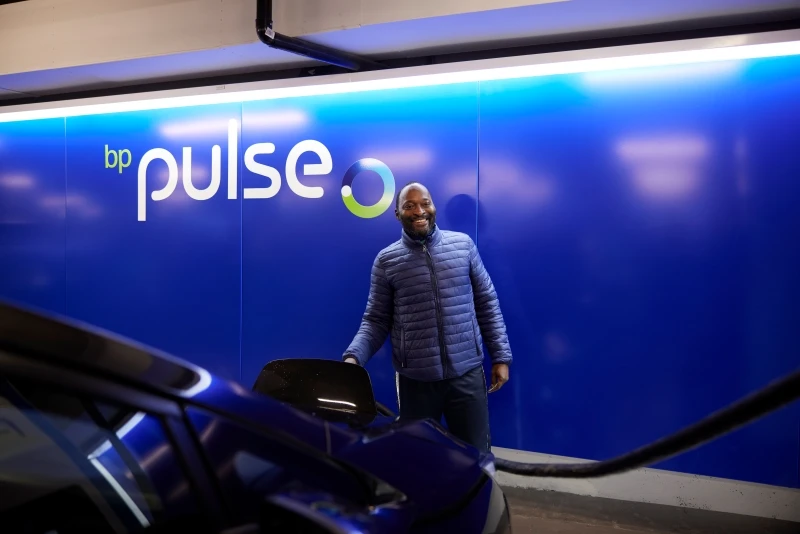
[(401, 195), (415, 210)]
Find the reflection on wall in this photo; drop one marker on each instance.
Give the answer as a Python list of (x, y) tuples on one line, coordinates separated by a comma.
[(658, 78), (664, 168)]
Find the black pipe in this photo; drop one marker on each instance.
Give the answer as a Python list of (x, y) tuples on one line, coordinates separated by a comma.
[(776, 395), (781, 20), (305, 48)]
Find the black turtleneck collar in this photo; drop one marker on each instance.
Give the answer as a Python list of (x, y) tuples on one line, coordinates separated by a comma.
[(430, 238)]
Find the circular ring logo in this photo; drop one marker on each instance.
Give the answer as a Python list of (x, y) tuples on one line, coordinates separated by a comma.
[(368, 164)]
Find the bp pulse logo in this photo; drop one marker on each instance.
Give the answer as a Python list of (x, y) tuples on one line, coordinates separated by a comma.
[(121, 159), (368, 164)]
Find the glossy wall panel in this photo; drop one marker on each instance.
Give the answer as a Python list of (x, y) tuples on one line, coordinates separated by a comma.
[(640, 231), (32, 213), (640, 228), (307, 261), (171, 280)]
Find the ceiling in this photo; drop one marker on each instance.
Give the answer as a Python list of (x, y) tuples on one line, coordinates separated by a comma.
[(494, 29)]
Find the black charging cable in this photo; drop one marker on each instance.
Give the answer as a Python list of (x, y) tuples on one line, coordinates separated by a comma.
[(742, 412)]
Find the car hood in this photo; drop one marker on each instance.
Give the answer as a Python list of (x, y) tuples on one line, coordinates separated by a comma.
[(419, 458)]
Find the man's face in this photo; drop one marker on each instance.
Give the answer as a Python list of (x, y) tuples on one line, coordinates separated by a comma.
[(416, 211)]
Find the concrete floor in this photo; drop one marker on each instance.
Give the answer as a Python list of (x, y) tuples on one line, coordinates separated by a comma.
[(547, 512)]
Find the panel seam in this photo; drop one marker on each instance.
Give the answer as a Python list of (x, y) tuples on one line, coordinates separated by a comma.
[(477, 160), (240, 193), (66, 196)]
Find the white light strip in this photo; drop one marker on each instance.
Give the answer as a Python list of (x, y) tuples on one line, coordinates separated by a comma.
[(121, 492), (630, 57), (202, 383), (337, 402), (121, 433)]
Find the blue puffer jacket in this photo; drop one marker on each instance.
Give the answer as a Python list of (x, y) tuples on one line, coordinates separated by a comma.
[(438, 302)]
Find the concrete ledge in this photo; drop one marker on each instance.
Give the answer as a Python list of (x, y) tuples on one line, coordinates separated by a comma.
[(550, 512), (665, 488)]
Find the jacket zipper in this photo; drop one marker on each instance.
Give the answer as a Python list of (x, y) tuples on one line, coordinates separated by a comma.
[(402, 346), (435, 283), (475, 330)]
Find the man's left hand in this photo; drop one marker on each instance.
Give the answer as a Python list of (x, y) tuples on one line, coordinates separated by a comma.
[(499, 376)]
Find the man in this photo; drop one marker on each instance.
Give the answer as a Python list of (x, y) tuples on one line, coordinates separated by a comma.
[(431, 291)]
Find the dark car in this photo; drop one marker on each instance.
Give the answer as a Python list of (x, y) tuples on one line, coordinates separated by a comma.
[(99, 434)]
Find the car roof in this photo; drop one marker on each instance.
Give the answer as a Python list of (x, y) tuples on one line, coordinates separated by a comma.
[(48, 336)]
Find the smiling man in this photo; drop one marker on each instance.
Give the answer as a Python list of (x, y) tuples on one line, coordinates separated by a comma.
[(431, 291)]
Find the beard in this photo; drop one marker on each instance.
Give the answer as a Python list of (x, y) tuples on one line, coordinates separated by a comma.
[(415, 231)]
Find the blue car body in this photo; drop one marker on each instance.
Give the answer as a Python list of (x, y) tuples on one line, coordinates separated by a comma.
[(141, 441)]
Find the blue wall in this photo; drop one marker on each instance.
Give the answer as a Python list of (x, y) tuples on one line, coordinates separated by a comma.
[(639, 226)]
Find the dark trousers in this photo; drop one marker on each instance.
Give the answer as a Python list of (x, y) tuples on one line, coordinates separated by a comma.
[(463, 402)]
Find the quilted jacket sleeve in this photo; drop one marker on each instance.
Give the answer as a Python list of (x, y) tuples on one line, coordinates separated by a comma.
[(377, 319), (487, 308)]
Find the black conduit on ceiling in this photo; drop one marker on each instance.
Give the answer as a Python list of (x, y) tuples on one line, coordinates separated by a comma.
[(305, 48)]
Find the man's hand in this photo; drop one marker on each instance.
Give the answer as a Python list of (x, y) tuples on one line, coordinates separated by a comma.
[(499, 376), (351, 360)]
